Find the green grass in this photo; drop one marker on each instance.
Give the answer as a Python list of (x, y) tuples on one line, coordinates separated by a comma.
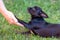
[(19, 8)]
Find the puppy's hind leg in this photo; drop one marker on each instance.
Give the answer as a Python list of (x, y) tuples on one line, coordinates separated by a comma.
[(26, 33)]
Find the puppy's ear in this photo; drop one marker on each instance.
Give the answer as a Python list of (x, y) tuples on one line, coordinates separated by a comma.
[(44, 15)]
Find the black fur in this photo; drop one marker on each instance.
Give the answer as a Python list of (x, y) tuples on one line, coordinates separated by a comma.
[(38, 25)]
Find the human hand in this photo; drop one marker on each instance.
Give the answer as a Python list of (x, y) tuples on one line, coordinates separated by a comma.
[(8, 15), (11, 19)]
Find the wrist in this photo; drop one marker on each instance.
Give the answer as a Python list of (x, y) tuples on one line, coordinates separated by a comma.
[(3, 11)]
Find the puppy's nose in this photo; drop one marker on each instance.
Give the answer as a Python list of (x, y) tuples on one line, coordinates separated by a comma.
[(29, 8)]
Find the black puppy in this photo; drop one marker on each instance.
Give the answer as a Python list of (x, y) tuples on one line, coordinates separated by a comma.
[(39, 26)]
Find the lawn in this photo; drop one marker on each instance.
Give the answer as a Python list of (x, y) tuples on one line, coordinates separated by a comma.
[(19, 8)]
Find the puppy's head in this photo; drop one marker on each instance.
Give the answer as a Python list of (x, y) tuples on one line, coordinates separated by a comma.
[(37, 11)]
